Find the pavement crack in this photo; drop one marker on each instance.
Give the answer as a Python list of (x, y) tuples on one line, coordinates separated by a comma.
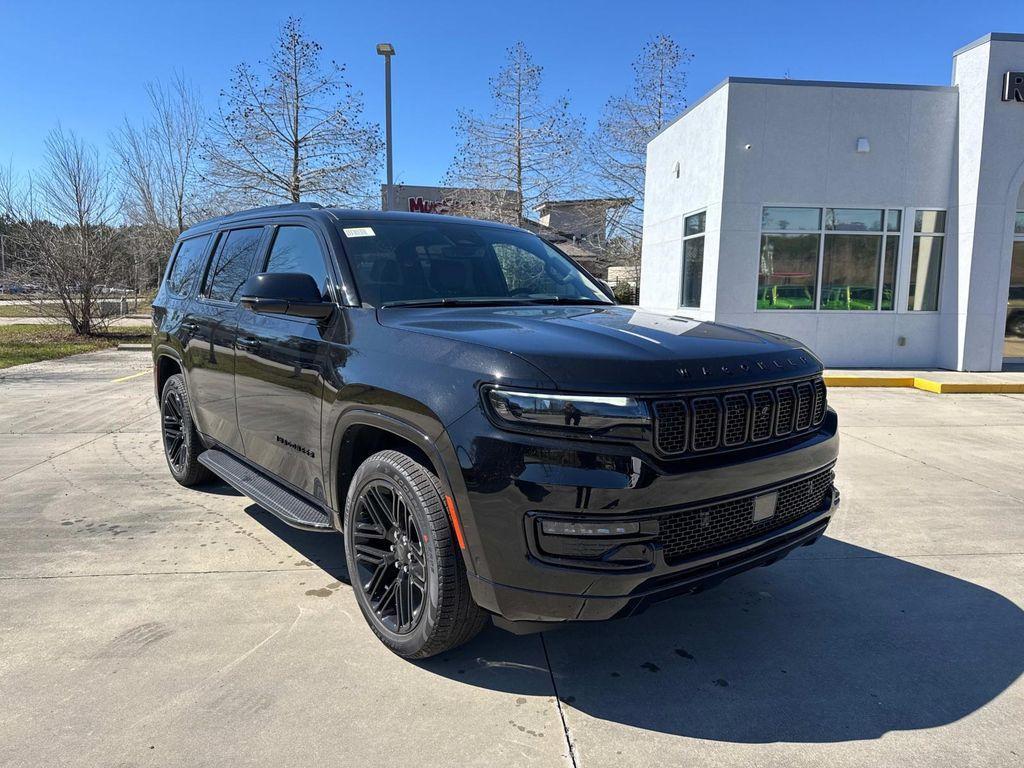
[(570, 745)]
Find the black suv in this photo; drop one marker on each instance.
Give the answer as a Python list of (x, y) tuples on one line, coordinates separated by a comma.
[(494, 437)]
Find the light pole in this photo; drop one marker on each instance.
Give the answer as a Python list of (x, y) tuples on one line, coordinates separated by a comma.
[(387, 50)]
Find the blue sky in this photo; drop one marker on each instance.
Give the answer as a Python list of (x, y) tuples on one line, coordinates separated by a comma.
[(85, 64)]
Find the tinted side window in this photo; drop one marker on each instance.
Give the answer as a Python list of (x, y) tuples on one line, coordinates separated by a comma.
[(187, 263), (232, 263), (296, 249)]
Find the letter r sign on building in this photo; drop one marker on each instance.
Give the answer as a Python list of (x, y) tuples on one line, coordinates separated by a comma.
[(1013, 86)]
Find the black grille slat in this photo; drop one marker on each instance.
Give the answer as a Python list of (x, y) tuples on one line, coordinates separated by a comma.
[(694, 531), (671, 426), (737, 414), (762, 417), (787, 409), (707, 423), (804, 405), (820, 401), (733, 419)]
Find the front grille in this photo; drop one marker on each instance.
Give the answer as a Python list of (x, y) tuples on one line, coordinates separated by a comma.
[(737, 418), (694, 531)]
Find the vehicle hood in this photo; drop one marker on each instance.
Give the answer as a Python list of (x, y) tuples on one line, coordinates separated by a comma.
[(616, 348)]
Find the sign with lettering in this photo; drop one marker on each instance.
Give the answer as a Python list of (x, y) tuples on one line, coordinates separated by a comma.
[(1013, 86)]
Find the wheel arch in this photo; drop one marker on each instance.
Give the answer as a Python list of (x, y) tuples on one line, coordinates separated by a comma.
[(166, 365), (360, 433)]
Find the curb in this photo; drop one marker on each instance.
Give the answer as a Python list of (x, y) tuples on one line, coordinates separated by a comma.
[(926, 385), (133, 347)]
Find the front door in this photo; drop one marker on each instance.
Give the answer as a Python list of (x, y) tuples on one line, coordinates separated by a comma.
[(211, 325), (280, 370)]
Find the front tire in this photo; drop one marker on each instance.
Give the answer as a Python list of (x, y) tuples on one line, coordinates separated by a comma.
[(181, 441), (405, 567)]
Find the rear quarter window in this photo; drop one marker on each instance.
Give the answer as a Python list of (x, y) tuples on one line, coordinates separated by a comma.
[(188, 261)]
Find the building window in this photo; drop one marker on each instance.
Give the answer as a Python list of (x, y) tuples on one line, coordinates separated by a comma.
[(926, 260), (790, 247), (693, 259), (855, 250)]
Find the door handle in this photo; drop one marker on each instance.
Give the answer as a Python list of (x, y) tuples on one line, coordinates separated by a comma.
[(247, 342)]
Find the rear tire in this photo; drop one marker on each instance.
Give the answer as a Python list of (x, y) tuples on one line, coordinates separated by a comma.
[(181, 441), (403, 561)]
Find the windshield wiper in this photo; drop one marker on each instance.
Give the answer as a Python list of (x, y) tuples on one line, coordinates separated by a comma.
[(456, 302)]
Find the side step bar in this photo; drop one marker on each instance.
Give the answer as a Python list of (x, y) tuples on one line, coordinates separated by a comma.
[(272, 496)]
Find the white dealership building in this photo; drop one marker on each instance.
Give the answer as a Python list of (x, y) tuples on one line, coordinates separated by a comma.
[(883, 225)]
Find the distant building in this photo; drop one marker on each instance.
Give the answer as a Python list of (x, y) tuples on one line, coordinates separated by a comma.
[(882, 225), (577, 227)]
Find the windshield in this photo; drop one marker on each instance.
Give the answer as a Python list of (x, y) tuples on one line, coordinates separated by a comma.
[(426, 263)]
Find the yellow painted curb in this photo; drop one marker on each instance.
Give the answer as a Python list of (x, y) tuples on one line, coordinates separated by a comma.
[(869, 381), (925, 385)]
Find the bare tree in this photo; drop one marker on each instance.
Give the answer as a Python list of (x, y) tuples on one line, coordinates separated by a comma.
[(160, 158), (160, 174), (71, 243), (293, 130), (618, 148), (524, 152)]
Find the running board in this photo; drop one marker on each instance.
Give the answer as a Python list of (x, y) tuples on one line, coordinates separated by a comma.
[(272, 496)]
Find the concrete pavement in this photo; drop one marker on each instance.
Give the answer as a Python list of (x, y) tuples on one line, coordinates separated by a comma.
[(145, 624)]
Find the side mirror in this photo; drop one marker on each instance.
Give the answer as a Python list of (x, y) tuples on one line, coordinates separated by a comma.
[(285, 293)]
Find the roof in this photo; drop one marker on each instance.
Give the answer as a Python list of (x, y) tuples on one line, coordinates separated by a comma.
[(991, 37), (583, 201)]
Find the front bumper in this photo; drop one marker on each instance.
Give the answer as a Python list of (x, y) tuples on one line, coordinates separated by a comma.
[(513, 481)]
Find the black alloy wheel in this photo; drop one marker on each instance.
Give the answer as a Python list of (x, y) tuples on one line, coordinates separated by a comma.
[(182, 444), (174, 432), (390, 559), (404, 559)]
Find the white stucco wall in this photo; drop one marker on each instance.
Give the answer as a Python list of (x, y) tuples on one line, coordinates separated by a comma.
[(697, 144), (803, 141), (990, 172), (957, 148)]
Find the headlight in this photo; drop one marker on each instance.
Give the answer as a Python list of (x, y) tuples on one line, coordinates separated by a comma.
[(623, 418)]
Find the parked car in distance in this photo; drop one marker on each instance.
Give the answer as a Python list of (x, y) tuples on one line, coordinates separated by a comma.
[(492, 436), (785, 297)]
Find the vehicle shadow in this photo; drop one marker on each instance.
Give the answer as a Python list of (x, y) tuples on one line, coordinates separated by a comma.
[(836, 643), (322, 549)]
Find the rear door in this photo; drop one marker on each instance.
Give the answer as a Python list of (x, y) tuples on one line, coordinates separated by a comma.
[(212, 321), (282, 362)]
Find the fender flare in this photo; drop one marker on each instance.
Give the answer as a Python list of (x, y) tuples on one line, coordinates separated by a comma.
[(435, 448)]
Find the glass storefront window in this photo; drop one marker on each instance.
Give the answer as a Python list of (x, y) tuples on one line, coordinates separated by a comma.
[(853, 219), (791, 219), (891, 258), (788, 271), (693, 259), (1018, 224), (892, 220), (849, 273), (1013, 345), (925, 266), (855, 251), (926, 260), (930, 221)]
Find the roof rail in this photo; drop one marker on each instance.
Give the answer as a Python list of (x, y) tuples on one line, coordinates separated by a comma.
[(280, 207), (263, 209)]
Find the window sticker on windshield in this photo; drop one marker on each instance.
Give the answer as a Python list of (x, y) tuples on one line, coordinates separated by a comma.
[(359, 232)]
